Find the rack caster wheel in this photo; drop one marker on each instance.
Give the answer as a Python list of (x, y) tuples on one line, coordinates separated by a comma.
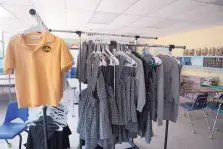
[(194, 132), (209, 128), (211, 137), (9, 145), (73, 115), (216, 129)]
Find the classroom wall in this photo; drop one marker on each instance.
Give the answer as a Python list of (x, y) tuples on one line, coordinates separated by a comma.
[(208, 37)]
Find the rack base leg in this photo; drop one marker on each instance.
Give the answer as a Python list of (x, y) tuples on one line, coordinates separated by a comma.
[(166, 134), (45, 128)]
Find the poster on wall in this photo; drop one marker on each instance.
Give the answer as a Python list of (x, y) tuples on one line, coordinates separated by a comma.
[(72, 43)]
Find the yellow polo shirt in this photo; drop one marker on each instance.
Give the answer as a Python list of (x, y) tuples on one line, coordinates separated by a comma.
[(39, 69)]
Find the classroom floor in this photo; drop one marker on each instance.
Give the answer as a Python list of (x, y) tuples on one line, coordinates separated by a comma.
[(180, 134)]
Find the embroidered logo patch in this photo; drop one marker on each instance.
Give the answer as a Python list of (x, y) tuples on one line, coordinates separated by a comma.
[(46, 49)]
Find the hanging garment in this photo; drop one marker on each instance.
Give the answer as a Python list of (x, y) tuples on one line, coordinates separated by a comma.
[(109, 83), (120, 91), (94, 124), (105, 130), (140, 83), (56, 139), (86, 51), (145, 117), (88, 125), (160, 93), (154, 103), (171, 87), (39, 71), (81, 63), (152, 89)]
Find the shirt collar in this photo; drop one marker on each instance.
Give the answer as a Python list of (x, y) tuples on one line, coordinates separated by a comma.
[(46, 38)]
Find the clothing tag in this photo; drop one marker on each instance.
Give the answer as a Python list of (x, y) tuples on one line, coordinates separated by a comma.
[(35, 37)]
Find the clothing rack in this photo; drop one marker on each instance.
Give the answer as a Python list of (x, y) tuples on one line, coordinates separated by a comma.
[(79, 33), (170, 47)]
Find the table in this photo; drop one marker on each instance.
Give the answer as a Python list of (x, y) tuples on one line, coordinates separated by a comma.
[(186, 92), (207, 89), (211, 90), (7, 81)]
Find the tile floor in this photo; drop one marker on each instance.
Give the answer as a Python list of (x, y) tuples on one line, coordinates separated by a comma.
[(180, 134)]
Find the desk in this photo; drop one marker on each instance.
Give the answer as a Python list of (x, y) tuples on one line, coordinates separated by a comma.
[(207, 89), (186, 92), (5, 82), (198, 89)]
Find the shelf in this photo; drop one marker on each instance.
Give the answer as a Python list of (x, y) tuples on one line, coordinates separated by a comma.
[(201, 67), (202, 56)]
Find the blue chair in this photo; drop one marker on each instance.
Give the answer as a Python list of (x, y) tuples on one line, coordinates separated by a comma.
[(217, 108), (73, 72), (199, 104), (10, 129)]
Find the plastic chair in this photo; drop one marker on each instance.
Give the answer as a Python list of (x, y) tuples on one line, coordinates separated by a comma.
[(218, 111), (217, 108), (10, 129), (73, 72), (199, 104)]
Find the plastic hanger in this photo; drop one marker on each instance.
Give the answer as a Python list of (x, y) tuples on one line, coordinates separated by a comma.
[(128, 59), (176, 60), (39, 28), (110, 54), (157, 60)]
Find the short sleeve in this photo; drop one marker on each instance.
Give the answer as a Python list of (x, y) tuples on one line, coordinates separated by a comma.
[(66, 57), (9, 60)]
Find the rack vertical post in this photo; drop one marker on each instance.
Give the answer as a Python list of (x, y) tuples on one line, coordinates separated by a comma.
[(45, 127), (80, 46), (171, 47)]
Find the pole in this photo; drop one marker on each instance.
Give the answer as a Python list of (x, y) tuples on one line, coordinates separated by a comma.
[(166, 134), (79, 34), (45, 127), (171, 47), (104, 34)]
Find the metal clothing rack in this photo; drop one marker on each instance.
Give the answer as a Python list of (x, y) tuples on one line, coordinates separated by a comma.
[(170, 47), (79, 33)]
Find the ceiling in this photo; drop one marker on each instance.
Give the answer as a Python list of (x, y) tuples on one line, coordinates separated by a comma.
[(144, 17)]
